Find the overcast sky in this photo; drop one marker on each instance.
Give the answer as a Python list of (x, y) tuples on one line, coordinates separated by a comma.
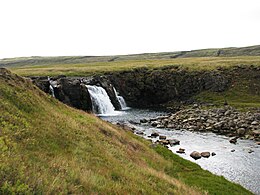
[(106, 27)]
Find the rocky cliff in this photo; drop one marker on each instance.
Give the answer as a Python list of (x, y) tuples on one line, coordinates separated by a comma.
[(149, 87)]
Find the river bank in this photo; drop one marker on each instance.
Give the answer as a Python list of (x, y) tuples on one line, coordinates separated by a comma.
[(244, 171)]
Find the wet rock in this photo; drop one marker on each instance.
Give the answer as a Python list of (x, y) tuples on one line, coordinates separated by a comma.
[(257, 143), (205, 154), (254, 123), (162, 142), (213, 154), (181, 151), (195, 155), (173, 142), (143, 120), (154, 134), (162, 137), (139, 133), (233, 140), (233, 150), (241, 131)]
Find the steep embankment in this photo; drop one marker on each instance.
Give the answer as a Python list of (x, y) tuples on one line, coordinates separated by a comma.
[(48, 147)]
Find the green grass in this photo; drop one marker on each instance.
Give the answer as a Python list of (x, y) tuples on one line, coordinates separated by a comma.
[(47, 147), (244, 92), (92, 68)]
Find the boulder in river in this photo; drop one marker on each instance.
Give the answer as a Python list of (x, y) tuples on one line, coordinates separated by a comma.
[(174, 142), (205, 154), (233, 140), (181, 151), (143, 120), (154, 134), (195, 155), (162, 137)]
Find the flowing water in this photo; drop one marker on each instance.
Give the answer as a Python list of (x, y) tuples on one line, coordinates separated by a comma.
[(239, 166)]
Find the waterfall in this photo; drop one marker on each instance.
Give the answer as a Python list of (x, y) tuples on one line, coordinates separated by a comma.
[(101, 103), (121, 100), (51, 87), (52, 91)]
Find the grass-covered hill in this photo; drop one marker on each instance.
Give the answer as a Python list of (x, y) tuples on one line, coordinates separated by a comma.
[(47, 147), (215, 52)]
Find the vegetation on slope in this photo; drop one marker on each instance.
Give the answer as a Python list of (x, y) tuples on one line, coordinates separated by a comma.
[(244, 92), (48, 147)]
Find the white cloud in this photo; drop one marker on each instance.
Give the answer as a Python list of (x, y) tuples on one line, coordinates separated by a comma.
[(101, 27)]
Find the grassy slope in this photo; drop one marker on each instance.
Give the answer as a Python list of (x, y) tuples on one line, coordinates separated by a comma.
[(48, 147)]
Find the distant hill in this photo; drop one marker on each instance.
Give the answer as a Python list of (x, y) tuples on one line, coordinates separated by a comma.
[(217, 52)]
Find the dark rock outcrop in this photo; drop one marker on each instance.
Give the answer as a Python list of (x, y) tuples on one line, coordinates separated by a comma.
[(42, 82), (145, 87), (70, 91), (74, 93)]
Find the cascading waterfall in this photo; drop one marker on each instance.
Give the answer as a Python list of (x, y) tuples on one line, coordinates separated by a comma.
[(101, 103), (121, 100), (51, 87)]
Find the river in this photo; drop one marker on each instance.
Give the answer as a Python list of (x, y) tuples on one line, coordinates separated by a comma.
[(238, 166)]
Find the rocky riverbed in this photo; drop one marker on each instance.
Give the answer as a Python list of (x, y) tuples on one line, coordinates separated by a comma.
[(226, 120)]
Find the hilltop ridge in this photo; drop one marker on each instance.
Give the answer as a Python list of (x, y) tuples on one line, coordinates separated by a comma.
[(214, 52)]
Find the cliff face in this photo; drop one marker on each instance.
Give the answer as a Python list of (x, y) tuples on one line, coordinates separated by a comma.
[(149, 87), (143, 87)]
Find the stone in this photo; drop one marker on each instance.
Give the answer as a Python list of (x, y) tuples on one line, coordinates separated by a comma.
[(160, 126), (241, 131), (162, 137), (181, 151), (233, 150), (254, 123), (213, 154), (195, 155), (154, 134), (174, 142), (143, 120), (163, 142), (155, 123), (257, 143), (139, 132), (205, 154), (233, 140), (227, 113)]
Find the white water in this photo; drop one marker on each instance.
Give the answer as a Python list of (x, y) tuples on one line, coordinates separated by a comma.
[(101, 103), (51, 87), (121, 100), (52, 91)]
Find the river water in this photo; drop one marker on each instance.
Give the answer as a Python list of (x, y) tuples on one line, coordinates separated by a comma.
[(238, 166)]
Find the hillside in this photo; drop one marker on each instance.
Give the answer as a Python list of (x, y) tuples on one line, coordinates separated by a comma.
[(48, 147), (216, 52)]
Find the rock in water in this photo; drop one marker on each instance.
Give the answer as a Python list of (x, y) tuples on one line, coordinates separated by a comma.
[(174, 142), (205, 154), (233, 140), (195, 155), (154, 134), (181, 151), (162, 137)]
